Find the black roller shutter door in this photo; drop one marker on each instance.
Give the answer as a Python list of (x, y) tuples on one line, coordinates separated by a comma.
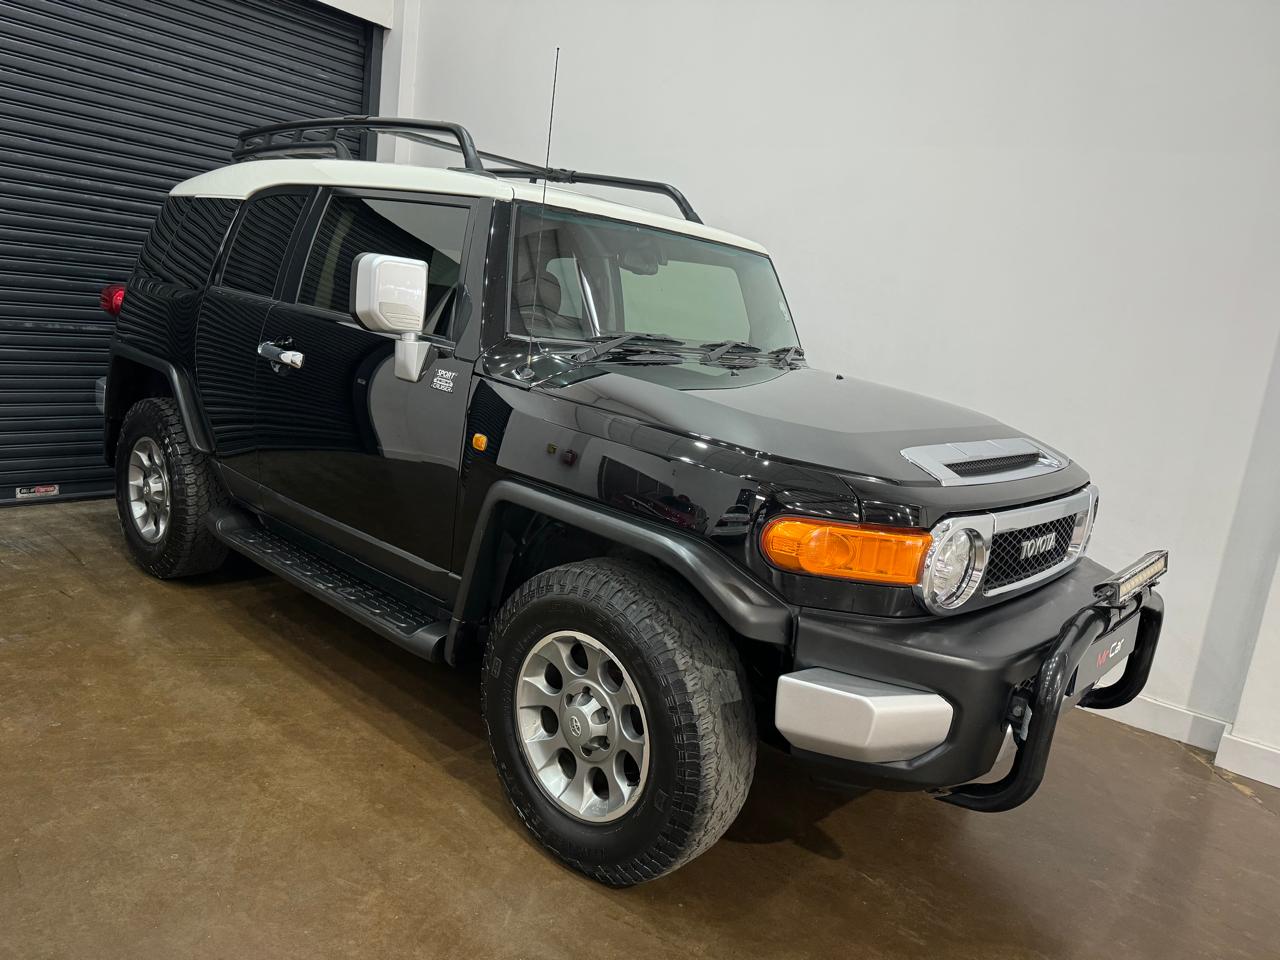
[(104, 106)]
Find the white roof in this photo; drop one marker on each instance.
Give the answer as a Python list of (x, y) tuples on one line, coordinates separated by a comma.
[(239, 180)]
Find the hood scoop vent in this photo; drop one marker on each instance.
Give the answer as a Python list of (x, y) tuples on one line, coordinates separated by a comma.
[(985, 461), (989, 465)]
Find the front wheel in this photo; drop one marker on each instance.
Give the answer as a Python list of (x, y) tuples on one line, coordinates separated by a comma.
[(619, 718)]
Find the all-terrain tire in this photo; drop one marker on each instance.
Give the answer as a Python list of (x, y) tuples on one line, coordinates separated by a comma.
[(698, 713), (187, 547)]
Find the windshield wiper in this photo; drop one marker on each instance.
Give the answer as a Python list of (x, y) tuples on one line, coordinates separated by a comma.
[(603, 345), (719, 348), (787, 354)]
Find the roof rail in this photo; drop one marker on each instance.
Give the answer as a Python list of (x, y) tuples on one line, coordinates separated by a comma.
[(291, 140)]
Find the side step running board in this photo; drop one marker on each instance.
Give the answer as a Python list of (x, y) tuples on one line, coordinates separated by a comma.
[(411, 627)]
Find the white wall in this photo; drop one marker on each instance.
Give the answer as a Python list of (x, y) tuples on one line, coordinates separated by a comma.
[(401, 61), (1065, 215), (381, 12), (1252, 747)]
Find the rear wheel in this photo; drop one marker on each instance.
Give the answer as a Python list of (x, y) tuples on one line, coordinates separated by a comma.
[(165, 489), (619, 718)]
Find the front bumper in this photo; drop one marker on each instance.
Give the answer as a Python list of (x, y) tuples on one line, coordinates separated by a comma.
[(928, 705)]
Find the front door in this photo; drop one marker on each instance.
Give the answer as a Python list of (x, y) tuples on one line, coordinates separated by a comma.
[(349, 452)]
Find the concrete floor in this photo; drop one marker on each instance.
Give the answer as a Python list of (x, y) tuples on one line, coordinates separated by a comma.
[(226, 768)]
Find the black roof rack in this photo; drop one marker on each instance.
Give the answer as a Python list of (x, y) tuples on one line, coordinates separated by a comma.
[(291, 139), (320, 138)]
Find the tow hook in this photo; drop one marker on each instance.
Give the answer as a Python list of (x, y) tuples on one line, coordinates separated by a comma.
[(1020, 717)]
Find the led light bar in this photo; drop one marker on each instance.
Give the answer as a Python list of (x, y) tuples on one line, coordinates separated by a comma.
[(1121, 587)]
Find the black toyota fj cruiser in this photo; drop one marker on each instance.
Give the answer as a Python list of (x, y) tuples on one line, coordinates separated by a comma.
[(580, 441)]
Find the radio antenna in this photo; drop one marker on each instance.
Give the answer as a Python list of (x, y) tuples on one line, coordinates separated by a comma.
[(527, 372)]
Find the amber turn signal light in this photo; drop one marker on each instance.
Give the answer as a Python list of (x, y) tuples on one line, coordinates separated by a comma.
[(852, 551), (479, 442)]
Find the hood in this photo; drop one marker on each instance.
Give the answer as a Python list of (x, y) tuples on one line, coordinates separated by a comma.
[(798, 414)]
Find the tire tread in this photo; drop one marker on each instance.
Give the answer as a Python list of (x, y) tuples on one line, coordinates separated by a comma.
[(690, 651), (189, 547)]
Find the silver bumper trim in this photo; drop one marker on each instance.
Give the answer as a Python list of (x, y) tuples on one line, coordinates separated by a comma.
[(855, 718)]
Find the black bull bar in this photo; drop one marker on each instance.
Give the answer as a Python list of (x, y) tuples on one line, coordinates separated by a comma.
[(1051, 691)]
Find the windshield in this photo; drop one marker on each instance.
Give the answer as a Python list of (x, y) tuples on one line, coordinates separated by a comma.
[(579, 277)]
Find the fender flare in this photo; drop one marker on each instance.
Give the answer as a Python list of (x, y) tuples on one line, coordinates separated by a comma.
[(183, 393), (749, 607)]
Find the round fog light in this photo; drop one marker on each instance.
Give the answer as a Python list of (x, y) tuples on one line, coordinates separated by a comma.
[(953, 568)]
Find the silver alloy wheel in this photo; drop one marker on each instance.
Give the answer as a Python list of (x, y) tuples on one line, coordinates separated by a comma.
[(582, 726), (148, 490)]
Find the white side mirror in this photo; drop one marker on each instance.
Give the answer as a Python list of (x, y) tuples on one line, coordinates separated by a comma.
[(389, 295)]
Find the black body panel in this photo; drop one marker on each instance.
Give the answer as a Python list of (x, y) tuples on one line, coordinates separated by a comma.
[(360, 448), (227, 339), (179, 384), (636, 449), (749, 608), (780, 414)]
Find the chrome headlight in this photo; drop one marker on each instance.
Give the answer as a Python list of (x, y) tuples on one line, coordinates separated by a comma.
[(961, 547), (953, 566)]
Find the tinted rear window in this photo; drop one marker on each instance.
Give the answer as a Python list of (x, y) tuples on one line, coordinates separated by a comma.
[(184, 241), (190, 256), (258, 250), (161, 234)]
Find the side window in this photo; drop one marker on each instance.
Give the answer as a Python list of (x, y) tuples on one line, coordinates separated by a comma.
[(351, 226), (161, 234), (257, 252), (195, 245)]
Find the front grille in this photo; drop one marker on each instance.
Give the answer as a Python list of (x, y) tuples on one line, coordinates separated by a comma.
[(1006, 564), (990, 465)]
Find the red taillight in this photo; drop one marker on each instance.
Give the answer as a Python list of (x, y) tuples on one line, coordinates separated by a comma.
[(112, 298)]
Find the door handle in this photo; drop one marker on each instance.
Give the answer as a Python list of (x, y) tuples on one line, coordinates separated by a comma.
[(280, 357)]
